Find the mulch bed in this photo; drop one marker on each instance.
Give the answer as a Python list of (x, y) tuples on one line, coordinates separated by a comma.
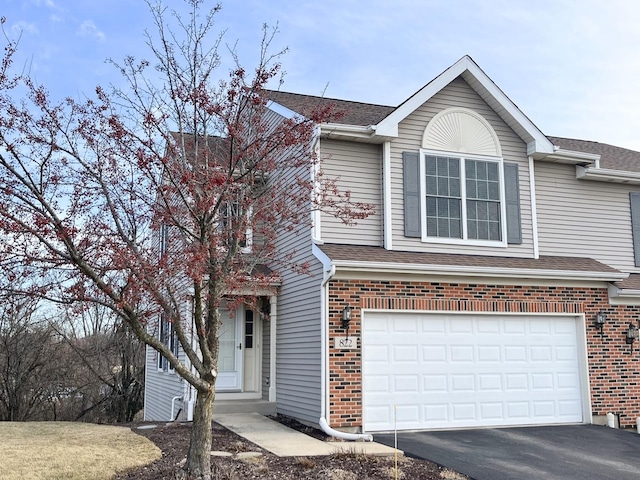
[(173, 440)]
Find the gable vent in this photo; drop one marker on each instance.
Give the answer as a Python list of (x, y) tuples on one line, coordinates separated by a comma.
[(461, 130)]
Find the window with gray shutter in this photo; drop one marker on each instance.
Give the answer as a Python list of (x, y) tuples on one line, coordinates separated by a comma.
[(411, 174), (512, 203)]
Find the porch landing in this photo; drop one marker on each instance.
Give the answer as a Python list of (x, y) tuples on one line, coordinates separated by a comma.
[(224, 407)]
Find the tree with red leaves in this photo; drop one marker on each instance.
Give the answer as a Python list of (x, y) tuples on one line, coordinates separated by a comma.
[(87, 186)]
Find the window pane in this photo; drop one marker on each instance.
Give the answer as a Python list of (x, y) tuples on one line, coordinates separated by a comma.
[(470, 169), (494, 231), (494, 212), (455, 228), (483, 230), (431, 207), (455, 208), (454, 167), (494, 191), (443, 186), (472, 229), (432, 185), (431, 166), (482, 211), (454, 187), (481, 169), (432, 226), (443, 207), (472, 212), (443, 166), (483, 191), (443, 227), (492, 171)]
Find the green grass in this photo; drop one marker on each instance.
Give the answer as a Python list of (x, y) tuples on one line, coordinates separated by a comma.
[(70, 451)]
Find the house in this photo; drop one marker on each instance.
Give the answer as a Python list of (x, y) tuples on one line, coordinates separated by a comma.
[(497, 283)]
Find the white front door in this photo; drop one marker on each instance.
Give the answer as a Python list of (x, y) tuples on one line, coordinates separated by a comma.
[(230, 357)]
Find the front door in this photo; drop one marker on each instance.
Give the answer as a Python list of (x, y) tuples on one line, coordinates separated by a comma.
[(230, 358)]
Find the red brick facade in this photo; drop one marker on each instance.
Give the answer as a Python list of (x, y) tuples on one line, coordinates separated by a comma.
[(614, 373)]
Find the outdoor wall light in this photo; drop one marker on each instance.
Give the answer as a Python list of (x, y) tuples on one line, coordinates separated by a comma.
[(601, 318), (632, 335), (346, 318)]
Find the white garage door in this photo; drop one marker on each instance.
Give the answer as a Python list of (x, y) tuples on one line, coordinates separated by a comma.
[(424, 371)]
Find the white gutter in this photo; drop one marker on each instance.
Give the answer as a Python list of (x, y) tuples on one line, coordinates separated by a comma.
[(329, 270), (386, 197), (607, 175), (534, 209), (473, 271)]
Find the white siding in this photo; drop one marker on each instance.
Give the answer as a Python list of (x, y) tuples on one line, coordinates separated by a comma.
[(583, 218), (458, 94), (358, 167)]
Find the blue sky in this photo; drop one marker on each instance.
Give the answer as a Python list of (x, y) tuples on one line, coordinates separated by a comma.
[(572, 66)]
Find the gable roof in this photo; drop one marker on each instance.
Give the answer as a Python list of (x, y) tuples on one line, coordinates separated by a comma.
[(382, 121)]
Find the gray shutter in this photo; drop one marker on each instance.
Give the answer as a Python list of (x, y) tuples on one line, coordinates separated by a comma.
[(411, 174), (634, 199), (512, 202)]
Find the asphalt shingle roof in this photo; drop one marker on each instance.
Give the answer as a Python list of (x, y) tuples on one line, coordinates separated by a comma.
[(612, 157), (360, 253), (354, 113)]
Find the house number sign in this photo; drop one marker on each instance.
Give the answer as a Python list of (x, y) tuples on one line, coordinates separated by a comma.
[(346, 343)]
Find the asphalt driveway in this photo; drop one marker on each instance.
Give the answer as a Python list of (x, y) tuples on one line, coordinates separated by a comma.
[(571, 452)]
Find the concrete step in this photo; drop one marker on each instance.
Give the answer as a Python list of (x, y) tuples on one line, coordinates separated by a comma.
[(263, 407)]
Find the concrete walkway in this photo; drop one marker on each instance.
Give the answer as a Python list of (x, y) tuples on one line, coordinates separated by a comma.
[(286, 442)]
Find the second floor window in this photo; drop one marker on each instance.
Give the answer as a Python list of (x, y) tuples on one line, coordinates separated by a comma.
[(232, 217), (463, 198)]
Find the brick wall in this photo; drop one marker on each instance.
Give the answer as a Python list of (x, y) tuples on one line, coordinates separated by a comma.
[(614, 373)]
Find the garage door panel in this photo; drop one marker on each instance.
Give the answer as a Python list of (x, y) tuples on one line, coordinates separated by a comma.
[(448, 374)]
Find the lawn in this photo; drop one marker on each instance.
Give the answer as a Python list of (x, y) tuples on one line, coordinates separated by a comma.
[(70, 451)]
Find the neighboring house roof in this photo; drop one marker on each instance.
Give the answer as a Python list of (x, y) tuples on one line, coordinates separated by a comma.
[(354, 113), (611, 157), (546, 266)]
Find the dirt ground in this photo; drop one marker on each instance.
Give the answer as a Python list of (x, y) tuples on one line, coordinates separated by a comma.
[(173, 440)]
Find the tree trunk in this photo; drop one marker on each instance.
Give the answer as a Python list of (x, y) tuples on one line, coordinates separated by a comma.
[(198, 466)]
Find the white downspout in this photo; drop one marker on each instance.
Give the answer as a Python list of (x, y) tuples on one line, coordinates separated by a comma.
[(534, 209), (329, 270), (386, 197)]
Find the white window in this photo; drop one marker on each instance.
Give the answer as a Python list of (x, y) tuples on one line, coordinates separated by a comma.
[(462, 199)]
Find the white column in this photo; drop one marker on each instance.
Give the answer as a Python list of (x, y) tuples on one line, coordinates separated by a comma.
[(273, 317)]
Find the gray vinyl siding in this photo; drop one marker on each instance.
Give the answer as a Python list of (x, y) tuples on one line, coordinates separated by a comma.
[(298, 365), (160, 388), (298, 330), (458, 94), (358, 168), (583, 218)]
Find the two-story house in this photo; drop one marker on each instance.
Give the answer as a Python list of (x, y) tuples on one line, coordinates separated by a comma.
[(497, 283)]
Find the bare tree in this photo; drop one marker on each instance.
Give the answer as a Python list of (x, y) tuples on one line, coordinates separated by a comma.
[(108, 365), (85, 187), (31, 380)]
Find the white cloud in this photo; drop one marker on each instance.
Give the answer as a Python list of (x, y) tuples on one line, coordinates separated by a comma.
[(89, 29), (22, 27)]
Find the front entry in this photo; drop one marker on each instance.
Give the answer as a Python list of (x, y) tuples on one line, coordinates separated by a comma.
[(230, 358), (239, 360)]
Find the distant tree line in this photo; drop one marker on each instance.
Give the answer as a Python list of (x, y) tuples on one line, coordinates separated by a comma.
[(73, 365)]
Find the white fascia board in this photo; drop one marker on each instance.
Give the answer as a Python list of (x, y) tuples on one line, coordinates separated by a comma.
[(619, 296), (471, 271), (281, 110), (571, 157), (327, 264), (607, 175), (350, 131), (537, 141)]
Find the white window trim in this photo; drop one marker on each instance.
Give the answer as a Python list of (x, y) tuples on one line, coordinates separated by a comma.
[(423, 200)]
